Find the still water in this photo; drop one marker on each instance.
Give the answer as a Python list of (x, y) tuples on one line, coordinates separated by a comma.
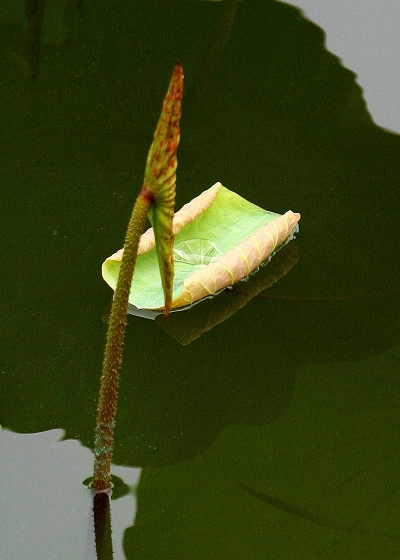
[(262, 423)]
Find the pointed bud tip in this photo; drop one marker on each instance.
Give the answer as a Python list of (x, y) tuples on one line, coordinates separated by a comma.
[(178, 68)]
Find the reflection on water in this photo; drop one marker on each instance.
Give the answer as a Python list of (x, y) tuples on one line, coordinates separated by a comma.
[(323, 478), (365, 37), (294, 397), (46, 511)]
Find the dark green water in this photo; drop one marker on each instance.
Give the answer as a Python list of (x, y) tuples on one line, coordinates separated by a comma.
[(274, 434)]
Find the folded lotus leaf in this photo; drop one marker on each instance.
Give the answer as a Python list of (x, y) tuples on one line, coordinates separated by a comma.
[(160, 178), (220, 238)]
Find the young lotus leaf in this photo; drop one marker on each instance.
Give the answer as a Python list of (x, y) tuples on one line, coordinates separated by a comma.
[(220, 238), (160, 178)]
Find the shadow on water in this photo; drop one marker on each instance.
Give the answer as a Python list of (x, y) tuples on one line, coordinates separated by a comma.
[(295, 511), (285, 126)]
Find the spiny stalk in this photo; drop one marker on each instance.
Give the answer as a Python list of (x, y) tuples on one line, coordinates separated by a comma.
[(156, 198)]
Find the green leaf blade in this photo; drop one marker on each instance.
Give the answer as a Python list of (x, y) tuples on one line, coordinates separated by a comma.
[(220, 220)]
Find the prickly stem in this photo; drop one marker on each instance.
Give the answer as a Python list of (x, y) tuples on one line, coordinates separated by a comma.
[(104, 435), (158, 191)]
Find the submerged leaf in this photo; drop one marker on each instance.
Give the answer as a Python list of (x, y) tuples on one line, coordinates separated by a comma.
[(241, 235), (160, 179)]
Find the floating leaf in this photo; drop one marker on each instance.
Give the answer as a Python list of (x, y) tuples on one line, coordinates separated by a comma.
[(237, 236)]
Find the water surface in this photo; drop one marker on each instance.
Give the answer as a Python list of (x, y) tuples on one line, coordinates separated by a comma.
[(274, 433)]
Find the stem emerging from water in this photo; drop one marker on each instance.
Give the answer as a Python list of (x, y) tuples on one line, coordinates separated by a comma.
[(104, 435), (158, 193)]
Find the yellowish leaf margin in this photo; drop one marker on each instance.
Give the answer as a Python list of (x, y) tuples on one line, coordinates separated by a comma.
[(231, 267)]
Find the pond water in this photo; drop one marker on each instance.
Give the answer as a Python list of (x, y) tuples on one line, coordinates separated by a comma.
[(262, 423)]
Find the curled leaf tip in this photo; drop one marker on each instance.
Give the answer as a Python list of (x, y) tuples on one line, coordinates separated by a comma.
[(160, 179)]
